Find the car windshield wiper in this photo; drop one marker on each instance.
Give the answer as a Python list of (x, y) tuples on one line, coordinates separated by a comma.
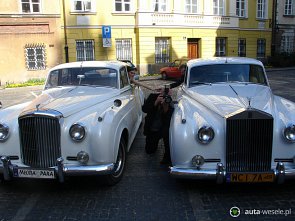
[(200, 83)]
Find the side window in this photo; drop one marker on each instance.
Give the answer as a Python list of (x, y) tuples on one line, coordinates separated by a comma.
[(123, 77), (52, 80)]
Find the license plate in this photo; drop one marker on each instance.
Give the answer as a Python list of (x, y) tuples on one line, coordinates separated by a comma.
[(250, 177), (34, 173)]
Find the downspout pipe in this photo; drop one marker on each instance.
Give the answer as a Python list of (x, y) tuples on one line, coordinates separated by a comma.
[(274, 28), (65, 33)]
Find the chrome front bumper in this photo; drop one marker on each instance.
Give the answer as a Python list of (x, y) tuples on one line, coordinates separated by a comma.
[(219, 174), (61, 170)]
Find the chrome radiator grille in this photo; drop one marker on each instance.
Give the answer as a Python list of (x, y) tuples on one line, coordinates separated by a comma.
[(40, 140), (249, 138)]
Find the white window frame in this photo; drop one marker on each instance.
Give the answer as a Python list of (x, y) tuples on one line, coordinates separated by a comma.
[(37, 59), (261, 48), (31, 6), (160, 5), (162, 50), (124, 49), (123, 4), (261, 12), (289, 7), (220, 47), (241, 8), (85, 50), (242, 47), (189, 6), (287, 44), (219, 7), (84, 6)]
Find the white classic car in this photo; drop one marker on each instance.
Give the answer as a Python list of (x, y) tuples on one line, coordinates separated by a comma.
[(83, 123), (229, 127)]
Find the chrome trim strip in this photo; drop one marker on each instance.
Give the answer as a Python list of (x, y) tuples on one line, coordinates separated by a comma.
[(281, 173), (88, 170), (48, 113), (6, 168)]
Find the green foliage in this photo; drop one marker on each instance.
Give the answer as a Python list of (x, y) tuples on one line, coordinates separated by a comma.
[(30, 82)]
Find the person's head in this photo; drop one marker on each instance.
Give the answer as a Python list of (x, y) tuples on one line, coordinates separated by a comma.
[(131, 72)]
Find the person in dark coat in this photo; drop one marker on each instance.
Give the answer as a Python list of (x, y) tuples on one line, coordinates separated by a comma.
[(157, 122)]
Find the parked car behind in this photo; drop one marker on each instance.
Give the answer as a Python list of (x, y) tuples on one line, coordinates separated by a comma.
[(174, 70), (229, 127), (83, 123)]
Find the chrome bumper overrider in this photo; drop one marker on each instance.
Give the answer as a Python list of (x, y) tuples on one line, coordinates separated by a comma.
[(219, 174), (61, 170)]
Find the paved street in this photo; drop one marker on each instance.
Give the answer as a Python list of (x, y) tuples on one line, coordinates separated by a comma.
[(146, 192)]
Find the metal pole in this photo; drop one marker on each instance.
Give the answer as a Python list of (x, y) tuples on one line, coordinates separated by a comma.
[(65, 33)]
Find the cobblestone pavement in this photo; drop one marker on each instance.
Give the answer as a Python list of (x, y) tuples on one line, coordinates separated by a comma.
[(146, 192)]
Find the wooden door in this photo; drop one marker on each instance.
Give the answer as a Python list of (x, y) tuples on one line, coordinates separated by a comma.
[(192, 50)]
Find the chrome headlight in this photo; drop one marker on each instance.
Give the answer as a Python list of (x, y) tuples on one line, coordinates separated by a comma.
[(4, 132), (205, 135), (289, 133), (77, 132)]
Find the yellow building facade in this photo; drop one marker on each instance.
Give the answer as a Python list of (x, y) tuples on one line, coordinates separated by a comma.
[(39, 34), (30, 39), (153, 33)]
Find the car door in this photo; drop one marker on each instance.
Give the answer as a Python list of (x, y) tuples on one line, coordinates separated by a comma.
[(132, 100)]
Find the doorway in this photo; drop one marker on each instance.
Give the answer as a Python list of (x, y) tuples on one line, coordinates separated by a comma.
[(193, 48)]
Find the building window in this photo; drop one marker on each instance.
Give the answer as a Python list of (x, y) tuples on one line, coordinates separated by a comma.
[(35, 56), (122, 6), (218, 7), (242, 47), (82, 6), (287, 44), (124, 49), (191, 6), (261, 45), (261, 6), (288, 7), (31, 6), (162, 50), (160, 5), (241, 8), (220, 47), (85, 50)]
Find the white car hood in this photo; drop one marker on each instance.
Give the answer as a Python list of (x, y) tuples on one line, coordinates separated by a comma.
[(225, 99), (70, 100)]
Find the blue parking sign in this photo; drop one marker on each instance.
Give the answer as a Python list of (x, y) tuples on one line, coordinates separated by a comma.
[(106, 31)]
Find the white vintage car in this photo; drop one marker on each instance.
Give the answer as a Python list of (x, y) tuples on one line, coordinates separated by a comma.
[(229, 127), (83, 123)]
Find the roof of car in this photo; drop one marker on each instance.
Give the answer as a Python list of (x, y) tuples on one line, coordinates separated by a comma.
[(107, 64), (223, 60)]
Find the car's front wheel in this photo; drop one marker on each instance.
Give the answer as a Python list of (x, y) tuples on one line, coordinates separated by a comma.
[(119, 168)]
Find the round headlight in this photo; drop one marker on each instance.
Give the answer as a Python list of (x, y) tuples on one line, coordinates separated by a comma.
[(4, 132), (289, 133), (205, 135), (77, 132)]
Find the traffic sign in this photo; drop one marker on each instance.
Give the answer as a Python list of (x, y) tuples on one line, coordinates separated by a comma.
[(106, 36), (106, 31), (107, 42)]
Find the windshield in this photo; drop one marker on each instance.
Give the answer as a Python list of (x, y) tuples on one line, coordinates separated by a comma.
[(87, 76), (218, 73)]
